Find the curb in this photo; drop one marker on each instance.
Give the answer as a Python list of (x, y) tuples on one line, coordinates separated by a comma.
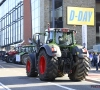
[(92, 80)]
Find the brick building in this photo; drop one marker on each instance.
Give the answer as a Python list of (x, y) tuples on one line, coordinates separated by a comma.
[(20, 19)]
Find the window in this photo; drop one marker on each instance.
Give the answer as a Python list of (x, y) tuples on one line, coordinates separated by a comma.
[(35, 5), (11, 22), (56, 14), (98, 28)]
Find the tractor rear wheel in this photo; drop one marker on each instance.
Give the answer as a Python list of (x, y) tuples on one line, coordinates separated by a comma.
[(47, 67), (9, 59), (24, 59), (80, 71), (30, 67)]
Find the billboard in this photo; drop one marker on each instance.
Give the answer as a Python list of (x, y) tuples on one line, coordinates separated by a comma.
[(80, 16)]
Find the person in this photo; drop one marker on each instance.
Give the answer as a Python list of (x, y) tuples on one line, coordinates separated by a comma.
[(93, 63), (91, 58), (99, 60), (96, 59)]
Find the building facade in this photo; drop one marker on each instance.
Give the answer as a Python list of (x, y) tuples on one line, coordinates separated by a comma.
[(20, 19), (60, 10), (11, 22)]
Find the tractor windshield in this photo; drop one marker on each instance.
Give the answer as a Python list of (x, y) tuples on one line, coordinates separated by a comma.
[(49, 37), (64, 38), (28, 49), (59, 37)]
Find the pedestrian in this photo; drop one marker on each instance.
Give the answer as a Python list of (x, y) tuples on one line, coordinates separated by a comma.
[(99, 60), (96, 60), (93, 63), (91, 58)]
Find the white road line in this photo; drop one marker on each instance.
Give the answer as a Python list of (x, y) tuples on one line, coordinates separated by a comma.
[(1, 66), (62, 86), (5, 87)]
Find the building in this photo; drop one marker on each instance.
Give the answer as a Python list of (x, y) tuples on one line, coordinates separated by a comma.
[(20, 19), (11, 22)]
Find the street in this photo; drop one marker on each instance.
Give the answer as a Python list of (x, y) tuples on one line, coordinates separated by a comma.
[(13, 77)]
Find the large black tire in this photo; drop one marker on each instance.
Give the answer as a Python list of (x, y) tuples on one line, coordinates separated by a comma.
[(9, 59), (24, 59), (80, 71), (30, 67), (47, 66)]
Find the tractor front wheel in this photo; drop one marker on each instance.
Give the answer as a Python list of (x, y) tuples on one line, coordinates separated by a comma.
[(24, 59), (47, 67), (9, 59), (80, 71), (30, 67)]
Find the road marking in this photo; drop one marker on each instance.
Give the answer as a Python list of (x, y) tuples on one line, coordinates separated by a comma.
[(62, 86), (1, 66), (5, 87)]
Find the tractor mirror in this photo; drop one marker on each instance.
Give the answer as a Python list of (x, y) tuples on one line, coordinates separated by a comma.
[(35, 38)]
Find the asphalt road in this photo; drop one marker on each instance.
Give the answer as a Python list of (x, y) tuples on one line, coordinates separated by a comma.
[(13, 77)]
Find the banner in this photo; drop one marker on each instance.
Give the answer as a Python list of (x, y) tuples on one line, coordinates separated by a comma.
[(80, 16)]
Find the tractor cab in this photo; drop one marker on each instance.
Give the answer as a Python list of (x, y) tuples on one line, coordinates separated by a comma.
[(28, 48), (60, 36)]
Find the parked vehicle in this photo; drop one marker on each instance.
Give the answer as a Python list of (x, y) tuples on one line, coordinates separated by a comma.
[(23, 51), (10, 56), (57, 56), (2, 55)]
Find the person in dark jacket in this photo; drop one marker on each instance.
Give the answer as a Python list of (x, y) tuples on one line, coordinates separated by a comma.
[(96, 59)]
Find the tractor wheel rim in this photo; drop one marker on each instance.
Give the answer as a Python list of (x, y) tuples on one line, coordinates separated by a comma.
[(10, 60), (42, 65), (25, 60), (28, 66)]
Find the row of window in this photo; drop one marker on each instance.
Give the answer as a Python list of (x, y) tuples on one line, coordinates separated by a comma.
[(7, 6), (35, 5), (12, 16), (11, 26)]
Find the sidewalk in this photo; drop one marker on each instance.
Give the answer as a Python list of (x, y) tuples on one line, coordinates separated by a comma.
[(93, 76)]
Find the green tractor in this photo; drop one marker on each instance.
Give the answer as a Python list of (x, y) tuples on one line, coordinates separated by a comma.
[(23, 52), (59, 55)]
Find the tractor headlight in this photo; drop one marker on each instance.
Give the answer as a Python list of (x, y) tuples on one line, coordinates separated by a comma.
[(84, 50), (53, 49), (87, 54)]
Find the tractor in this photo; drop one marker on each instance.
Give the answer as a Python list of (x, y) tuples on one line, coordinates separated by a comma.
[(57, 56), (23, 52), (10, 55)]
